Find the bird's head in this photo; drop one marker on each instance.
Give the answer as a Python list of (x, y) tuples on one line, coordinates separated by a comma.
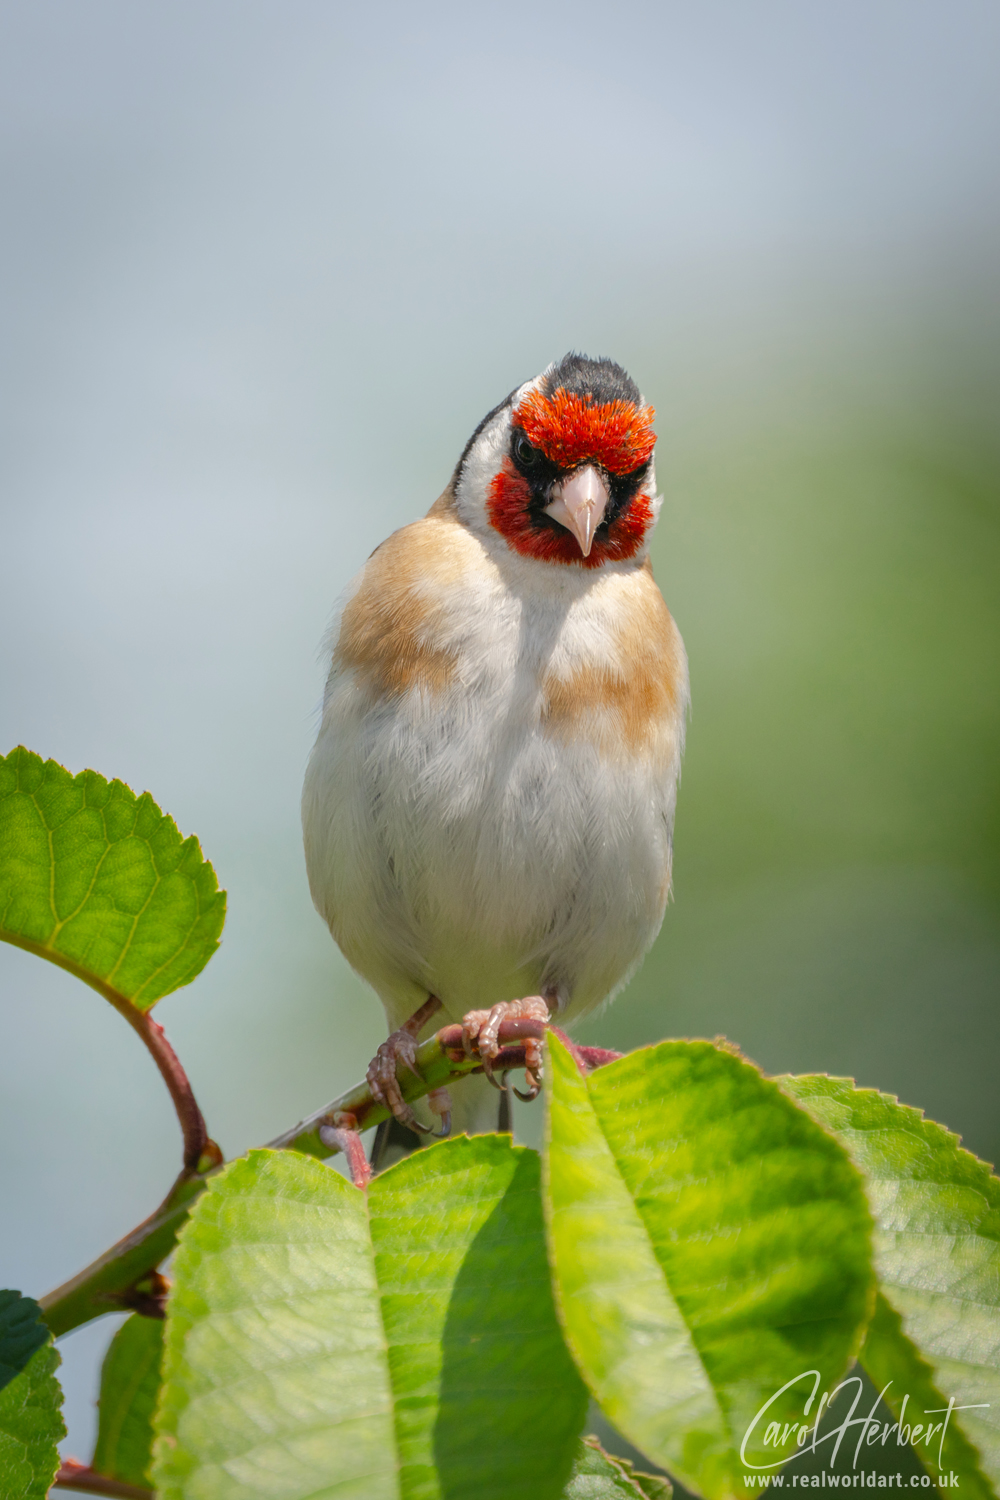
[(562, 470)]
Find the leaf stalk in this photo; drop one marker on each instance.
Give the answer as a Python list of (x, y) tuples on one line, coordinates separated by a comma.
[(72, 1475), (190, 1118)]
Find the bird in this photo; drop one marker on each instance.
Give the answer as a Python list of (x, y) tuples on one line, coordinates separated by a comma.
[(488, 809)]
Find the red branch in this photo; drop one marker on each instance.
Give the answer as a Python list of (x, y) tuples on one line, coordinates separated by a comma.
[(341, 1133), (196, 1138), (73, 1475)]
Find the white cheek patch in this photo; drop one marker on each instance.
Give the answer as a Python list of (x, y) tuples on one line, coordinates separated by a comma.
[(655, 502), (483, 464)]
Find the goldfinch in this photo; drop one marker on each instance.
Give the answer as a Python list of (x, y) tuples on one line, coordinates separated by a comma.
[(488, 810)]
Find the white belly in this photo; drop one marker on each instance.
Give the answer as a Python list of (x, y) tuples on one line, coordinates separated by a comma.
[(454, 847)]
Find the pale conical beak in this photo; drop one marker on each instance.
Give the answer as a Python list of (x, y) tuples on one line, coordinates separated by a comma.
[(580, 503)]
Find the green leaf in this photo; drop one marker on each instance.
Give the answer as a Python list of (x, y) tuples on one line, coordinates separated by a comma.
[(31, 1421), (401, 1343), (652, 1486), (101, 882), (898, 1370), (936, 1333), (709, 1243), (130, 1383), (599, 1476)]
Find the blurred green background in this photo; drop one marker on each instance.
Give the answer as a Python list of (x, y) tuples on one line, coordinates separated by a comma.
[(264, 268), (837, 577)]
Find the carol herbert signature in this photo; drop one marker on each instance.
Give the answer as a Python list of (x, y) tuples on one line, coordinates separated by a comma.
[(791, 1439)]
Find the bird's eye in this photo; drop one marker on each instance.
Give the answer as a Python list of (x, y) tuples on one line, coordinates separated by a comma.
[(525, 454)]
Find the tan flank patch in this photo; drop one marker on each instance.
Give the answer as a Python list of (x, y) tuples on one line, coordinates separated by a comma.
[(387, 629), (627, 707)]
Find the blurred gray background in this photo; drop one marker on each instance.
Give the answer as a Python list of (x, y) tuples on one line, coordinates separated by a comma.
[(263, 269)]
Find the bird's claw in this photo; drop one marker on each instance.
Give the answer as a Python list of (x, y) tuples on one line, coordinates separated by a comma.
[(439, 1101), (480, 1033), (399, 1047), (474, 1024), (532, 1070)]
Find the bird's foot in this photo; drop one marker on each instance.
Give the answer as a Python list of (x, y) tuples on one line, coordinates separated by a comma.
[(480, 1034), (401, 1047)]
